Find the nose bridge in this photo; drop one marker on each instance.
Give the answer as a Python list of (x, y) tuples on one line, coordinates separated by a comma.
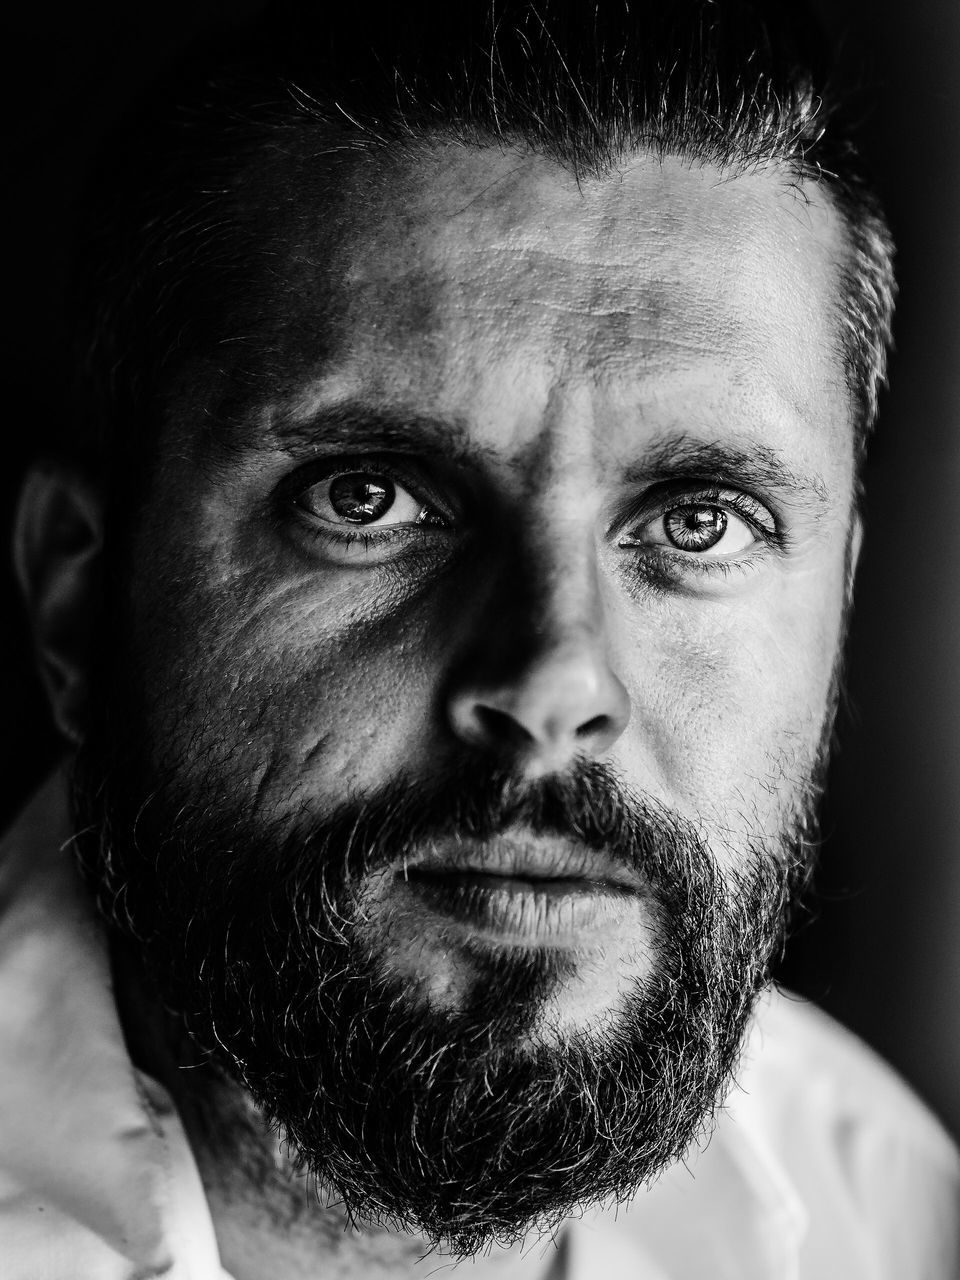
[(555, 599), (553, 569), (538, 683)]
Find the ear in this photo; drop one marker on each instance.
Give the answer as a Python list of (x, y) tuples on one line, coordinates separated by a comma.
[(57, 540)]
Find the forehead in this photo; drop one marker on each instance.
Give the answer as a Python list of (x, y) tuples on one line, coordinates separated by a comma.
[(482, 284)]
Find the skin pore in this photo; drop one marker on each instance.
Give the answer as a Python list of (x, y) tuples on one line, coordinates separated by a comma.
[(603, 436)]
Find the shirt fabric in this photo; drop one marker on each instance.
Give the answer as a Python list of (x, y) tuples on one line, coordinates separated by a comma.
[(822, 1164)]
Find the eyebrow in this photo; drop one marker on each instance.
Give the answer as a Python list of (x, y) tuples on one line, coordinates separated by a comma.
[(357, 427), (754, 464)]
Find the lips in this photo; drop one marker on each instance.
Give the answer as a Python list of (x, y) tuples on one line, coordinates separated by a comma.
[(521, 888), (524, 856)]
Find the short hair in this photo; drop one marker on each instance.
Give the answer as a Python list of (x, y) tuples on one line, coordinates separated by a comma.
[(175, 255)]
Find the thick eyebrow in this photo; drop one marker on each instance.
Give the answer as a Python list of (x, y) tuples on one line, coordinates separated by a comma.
[(753, 465), (357, 427)]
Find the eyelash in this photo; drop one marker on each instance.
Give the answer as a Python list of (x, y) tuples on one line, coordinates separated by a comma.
[(661, 566), (345, 537)]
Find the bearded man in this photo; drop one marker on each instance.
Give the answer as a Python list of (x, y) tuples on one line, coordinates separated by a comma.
[(441, 589)]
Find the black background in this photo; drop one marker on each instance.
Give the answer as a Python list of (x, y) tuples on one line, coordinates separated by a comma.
[(884, 952)]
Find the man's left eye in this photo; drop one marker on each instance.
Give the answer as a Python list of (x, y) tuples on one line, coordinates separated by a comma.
[(717, 526), (698, 527), (365, 499)]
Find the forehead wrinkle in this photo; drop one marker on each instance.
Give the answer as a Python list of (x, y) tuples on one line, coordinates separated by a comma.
[(630, 326), (632, 319), (409, 333)]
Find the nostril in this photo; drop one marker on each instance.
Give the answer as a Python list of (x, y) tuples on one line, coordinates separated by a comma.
[(561, 702), (593, 728), (501, 728)]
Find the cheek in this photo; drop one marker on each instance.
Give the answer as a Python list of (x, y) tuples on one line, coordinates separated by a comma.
[(295, 694), (729, 703)]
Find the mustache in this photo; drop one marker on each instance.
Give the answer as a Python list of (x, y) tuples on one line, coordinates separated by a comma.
[(170, 841), (588, 805)]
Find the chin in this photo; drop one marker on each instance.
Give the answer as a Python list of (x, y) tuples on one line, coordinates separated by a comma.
[(593, 947)]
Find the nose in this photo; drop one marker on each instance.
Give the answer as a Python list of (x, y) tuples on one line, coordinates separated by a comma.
[(541, 691)]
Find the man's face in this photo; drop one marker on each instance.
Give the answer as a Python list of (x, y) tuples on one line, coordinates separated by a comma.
[(539, 481)]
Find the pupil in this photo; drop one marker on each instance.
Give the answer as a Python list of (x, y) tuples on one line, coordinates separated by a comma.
[(695, 528), (361, 499)]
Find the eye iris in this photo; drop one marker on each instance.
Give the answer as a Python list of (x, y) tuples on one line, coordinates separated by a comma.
[(361, 499), (695, 528)]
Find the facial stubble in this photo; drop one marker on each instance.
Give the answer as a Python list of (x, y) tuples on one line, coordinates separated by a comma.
[(463, 1125)]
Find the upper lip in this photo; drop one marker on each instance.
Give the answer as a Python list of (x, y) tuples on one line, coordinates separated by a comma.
[(523, 855)]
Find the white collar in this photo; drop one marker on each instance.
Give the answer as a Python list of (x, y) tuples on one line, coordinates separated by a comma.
[(83, 1133)]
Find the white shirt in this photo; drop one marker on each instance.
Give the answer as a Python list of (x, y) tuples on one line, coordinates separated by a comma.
[(822, 1165)]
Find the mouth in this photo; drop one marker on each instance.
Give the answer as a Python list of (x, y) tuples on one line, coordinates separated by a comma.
[(519, 889)]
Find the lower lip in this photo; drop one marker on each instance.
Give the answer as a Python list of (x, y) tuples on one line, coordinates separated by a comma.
[(522, 910)]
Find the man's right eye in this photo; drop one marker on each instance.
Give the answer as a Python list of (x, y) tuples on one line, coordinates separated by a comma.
[(365, 510), (370, 500)]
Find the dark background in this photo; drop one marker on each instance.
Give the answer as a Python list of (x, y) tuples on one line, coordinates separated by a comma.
[(883, 954)]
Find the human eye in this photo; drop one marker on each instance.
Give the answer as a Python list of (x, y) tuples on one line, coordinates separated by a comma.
[(698, 531), (365, 508)]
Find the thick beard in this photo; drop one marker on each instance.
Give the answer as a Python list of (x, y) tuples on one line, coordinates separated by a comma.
[(464, 1126)]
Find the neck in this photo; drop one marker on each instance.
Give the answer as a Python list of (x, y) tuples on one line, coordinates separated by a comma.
[(269, 1217)]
